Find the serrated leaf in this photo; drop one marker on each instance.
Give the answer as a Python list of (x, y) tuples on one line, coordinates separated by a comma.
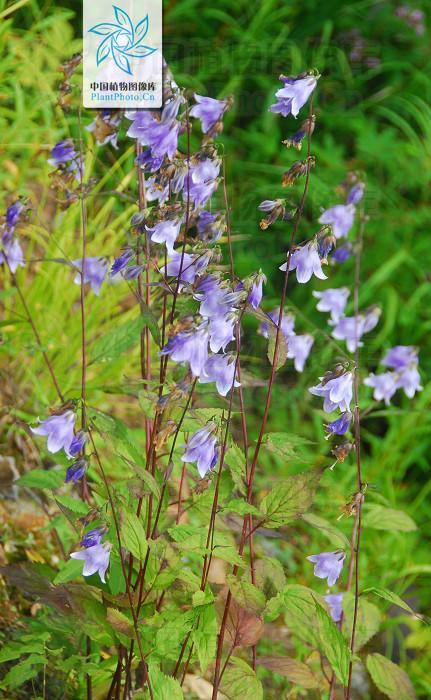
[(71, 506), (205, 636), (243, 627), (133, 536), (389, 678), (333, 644), (41, 479), (240, 682), (381, 518), (296, 671), (289, 499), (235, 460), (246, 594), (164, 687), (117, 341)]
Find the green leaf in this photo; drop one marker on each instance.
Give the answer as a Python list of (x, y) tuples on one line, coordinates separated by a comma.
[(24, 671), (205, 636), (246, 594), (241, 507), (118, 432), (120, 622), (391, 597), (164, 687), (134, 537), (284, 445), (296, 671), (148, 479), (151, 322), (367, 623), (381, 518), (270, 576), (117, 341), (71, 507), (389, 678), (289, 499), (41, 479), (70, 571), (333, 644), (298, 603), (14, 650), (235, 460), (240, 682), (334, 535)]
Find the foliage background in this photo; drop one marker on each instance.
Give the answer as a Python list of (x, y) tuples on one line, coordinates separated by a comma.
[(374, 118)]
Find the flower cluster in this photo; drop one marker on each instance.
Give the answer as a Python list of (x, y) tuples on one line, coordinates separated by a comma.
[(10, 250), (403, 361)]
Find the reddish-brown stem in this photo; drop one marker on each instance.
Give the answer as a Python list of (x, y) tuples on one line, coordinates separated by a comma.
[(266, 409)]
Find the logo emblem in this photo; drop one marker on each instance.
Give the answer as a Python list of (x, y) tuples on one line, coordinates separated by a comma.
[(122, 40)]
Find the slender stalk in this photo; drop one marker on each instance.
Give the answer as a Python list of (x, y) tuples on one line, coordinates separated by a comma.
[(123, 564), (36, 334), (217, 673), (356, 536)]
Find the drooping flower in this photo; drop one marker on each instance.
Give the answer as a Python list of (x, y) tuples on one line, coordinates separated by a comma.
[(96, 559), (166, 232), (148, 161), (306, 261), (293, 95), (132, 272), (161, 136), (351, 329), (384, 385), (340, 217), (307, 127), (95, 270), (400, 357), (409, 380), (222, 331), (336, 392), (339, 426), (298, 349), (335, 603), (78, 443), (342, 254), (221, 370), (275, 209), (210, 226), (64, 156), (201, 181), (202, 449), (356, 193), (59, 431), (328, 565), (13, 213), (92, 537), (189, 346), (334, 301), (11, 254), (209, 111), (255, 293), (121, 262), (76, 470)]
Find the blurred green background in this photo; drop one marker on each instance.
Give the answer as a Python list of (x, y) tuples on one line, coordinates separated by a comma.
[(373, 115)]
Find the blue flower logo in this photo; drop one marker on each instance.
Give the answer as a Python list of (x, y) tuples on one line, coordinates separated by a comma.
[(122, 41)]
